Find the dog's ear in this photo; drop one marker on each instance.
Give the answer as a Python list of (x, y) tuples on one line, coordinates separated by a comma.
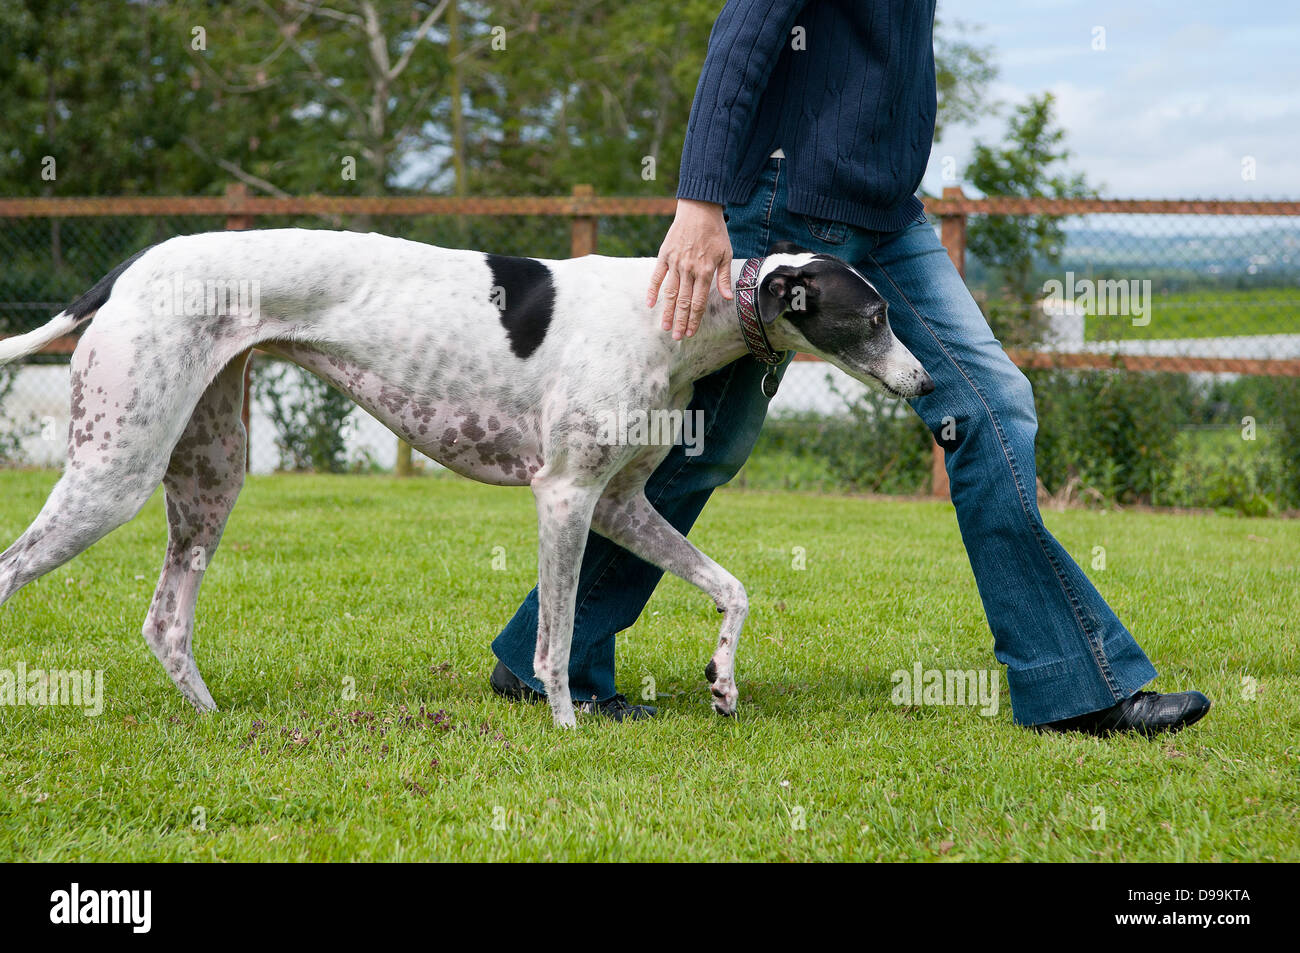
[(787, 289)]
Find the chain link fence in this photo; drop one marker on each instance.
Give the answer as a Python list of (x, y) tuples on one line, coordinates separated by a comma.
[(1202, 312), (1164, 348)]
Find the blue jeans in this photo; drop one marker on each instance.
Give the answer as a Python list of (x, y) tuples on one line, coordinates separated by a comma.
[(1065, 651)]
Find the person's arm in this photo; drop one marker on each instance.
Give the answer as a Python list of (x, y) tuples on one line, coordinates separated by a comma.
[(746, 41)]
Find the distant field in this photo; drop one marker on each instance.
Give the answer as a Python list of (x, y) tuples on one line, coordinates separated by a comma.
[(388, 585), (1211, 313)]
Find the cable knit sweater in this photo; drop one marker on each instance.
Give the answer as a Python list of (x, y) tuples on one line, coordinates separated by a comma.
[(853, 109)]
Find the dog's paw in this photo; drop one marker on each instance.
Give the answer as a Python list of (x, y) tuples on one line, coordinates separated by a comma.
[(562, 714), (725, 696)]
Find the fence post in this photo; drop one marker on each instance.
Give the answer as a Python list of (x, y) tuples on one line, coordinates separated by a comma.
[(403, 467), (952, 233), (583, 236), (236, 221), (952, 230)]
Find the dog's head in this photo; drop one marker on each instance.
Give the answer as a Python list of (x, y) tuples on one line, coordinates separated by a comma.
[(824, 306)]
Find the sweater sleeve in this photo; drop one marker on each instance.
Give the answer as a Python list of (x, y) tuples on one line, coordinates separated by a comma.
[(746, 41)]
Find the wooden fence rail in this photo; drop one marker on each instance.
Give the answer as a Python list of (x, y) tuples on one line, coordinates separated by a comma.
[(583, 202)]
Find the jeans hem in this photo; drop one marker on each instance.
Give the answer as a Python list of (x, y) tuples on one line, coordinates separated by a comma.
[(535, 684), (1063, 688)]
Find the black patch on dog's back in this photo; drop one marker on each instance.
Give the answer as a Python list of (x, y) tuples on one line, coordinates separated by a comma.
[(94, 299), (524, 292)]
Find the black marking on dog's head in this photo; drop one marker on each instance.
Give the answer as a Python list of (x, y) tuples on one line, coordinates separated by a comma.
[(95, 298), (523, 291), (787, 248), (827, 301), (779, 291)]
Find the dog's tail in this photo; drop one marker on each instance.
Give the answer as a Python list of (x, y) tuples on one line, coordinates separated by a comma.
[(23, 344), (67, 320)]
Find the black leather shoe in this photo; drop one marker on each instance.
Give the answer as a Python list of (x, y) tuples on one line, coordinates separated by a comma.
[(618, 708), (1147, 713), (508, 685)]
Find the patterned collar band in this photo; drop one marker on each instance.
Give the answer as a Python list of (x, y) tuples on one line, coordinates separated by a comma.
[(751, 325)]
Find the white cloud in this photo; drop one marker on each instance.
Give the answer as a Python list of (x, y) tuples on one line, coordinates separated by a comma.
[(1168, 110)]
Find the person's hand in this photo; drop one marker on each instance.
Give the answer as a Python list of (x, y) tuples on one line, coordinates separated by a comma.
[(695, 248)]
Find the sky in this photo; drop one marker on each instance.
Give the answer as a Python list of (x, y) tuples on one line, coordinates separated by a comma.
[(1182, 94)]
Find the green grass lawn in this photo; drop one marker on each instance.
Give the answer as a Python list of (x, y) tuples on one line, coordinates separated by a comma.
[(1205, 313), (323, 582)]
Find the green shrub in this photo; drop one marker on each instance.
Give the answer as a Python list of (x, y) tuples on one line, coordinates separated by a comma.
[(1219, 469), (1115, 432), (11, 431), (1128, 437), (310, 417), (1286, 412), (878, 445)]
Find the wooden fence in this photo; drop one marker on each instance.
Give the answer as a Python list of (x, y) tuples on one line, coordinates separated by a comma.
[(584, 209)]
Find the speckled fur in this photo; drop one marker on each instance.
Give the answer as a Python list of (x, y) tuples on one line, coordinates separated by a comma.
[(412, 333)]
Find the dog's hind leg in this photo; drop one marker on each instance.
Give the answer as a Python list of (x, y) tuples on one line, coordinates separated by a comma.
[(625, 516), (202, 482), (81, 509), (563, 519), (105, 482)]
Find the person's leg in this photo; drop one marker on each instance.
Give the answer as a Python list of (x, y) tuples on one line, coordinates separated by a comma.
[(614, 585), (1065, 650)]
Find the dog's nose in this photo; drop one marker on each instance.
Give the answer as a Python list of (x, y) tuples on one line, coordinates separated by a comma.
[(927, 384)]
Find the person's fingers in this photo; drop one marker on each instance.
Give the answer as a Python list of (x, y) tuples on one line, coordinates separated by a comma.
[(670, 291), (682, 313), (652, 295), (724, 278), (699, 301)]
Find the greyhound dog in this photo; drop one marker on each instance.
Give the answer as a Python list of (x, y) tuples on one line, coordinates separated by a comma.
[(506, 370)]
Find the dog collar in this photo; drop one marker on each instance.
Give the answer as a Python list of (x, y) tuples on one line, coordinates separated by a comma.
[(751, 325)]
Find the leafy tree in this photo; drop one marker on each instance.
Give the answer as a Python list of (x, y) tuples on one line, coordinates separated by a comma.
[(158, 98), (963, 70), (1028, 164), (90, 106)]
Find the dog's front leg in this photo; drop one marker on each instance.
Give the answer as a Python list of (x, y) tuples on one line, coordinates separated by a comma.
[(627, 518), (563, 519)]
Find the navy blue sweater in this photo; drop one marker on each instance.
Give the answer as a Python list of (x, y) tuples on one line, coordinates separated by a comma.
[(853, 112)]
